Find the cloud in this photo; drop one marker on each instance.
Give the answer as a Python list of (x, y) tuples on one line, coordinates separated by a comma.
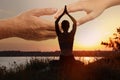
[(6, 13)]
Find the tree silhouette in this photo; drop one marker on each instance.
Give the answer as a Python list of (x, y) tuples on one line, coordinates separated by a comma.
[(113, 43)]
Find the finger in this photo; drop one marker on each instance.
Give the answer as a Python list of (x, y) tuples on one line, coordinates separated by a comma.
[(40, 39), (44, 11), (70, 8), (50, 26), (47, 34), (50, 29), (86, 18), (44, 38), (46, 28), (50, 34), (44, 35), (46, 25), (58, 13)]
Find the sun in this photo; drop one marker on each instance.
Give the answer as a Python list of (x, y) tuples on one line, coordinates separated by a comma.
[(88, 39)]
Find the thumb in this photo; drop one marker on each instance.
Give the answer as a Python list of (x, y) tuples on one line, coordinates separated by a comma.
[(86, 18), (44, 11)]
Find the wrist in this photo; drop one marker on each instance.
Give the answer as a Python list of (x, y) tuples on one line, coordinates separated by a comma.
[(7, 28)]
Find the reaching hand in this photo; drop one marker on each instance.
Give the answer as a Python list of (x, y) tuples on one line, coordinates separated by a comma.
[(93, 8), (30, 26)]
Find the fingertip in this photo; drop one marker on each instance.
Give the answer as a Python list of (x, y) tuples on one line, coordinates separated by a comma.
[(44, 11), (57, 14), (54, 9), (55, 17), (78, 23)]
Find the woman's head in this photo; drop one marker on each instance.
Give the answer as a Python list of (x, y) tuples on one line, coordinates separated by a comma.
[(65, 25)]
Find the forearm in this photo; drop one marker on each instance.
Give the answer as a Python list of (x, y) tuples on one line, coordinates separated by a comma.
[(58, 19), (74, 21), (6, 28), (57, 29), (111, 3)]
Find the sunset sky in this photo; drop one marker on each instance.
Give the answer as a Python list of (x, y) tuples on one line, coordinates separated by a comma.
[(88, 36)]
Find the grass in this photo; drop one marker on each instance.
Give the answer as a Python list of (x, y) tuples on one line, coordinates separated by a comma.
[(45, 69)]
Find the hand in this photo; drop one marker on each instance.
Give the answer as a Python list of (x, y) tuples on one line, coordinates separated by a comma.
[(93, 8), (30, 26)]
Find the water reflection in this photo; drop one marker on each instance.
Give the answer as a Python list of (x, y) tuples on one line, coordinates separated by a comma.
[(87, 60), (8, 61)]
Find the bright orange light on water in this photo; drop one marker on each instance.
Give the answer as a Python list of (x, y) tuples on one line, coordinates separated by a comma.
[(87, 60)]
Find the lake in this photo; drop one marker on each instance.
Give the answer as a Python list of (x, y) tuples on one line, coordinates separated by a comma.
[(9, 61)]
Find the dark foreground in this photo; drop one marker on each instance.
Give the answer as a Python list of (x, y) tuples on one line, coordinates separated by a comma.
[(104, 69)]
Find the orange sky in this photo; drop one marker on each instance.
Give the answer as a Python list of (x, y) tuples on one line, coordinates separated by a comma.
[(88, 35)]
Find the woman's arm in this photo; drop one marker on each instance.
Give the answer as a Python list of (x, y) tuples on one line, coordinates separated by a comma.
[(57, 23), (73, 20)]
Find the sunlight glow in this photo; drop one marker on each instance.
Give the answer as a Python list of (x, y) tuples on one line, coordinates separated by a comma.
[(87, 60), (89, 38)]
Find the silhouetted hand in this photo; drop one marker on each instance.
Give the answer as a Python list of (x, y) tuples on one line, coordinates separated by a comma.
[(93, 8), (29, 25)]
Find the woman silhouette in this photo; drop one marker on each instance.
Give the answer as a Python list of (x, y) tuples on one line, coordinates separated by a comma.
[(65, 38)]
